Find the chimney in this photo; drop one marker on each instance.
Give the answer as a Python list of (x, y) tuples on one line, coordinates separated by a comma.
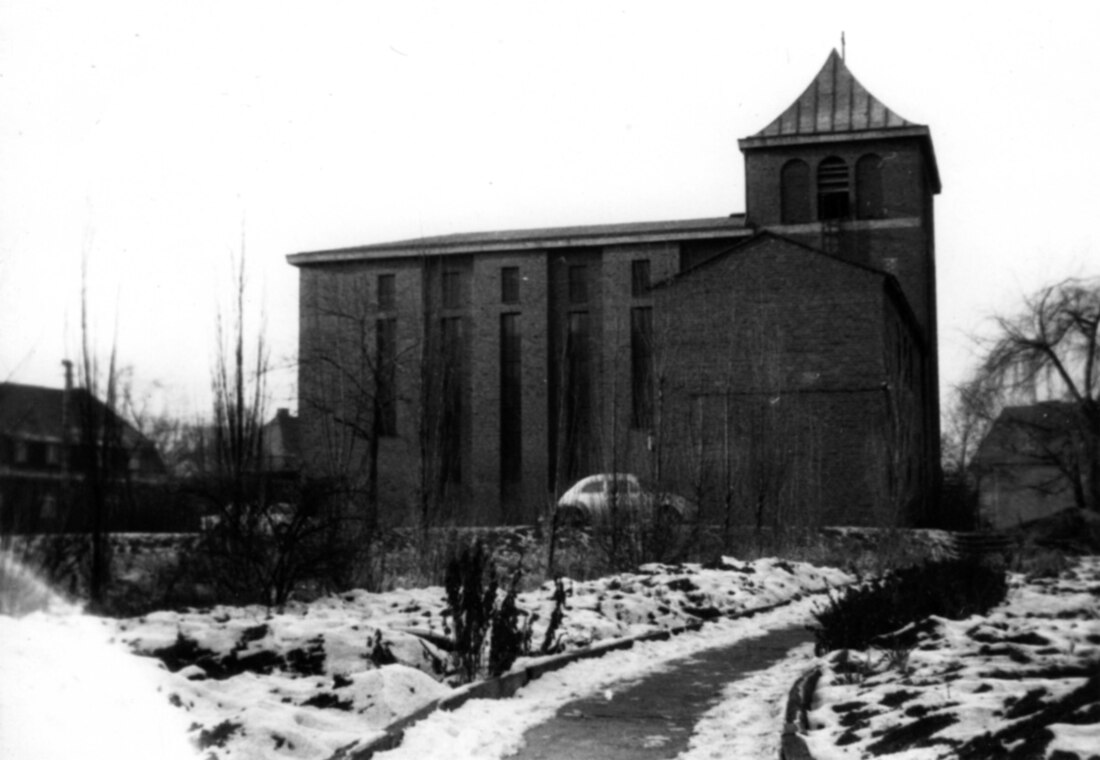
[(66, 417)]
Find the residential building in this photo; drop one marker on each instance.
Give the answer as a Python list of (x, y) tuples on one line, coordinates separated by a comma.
[(48, 446), (1030, 465)]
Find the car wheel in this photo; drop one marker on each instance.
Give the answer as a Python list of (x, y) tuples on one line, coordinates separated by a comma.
[(571, 517), (669, 515)]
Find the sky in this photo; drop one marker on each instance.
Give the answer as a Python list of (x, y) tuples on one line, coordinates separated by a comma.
[(150, 144)]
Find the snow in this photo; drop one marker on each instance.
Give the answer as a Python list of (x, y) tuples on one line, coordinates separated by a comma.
[(748, 722), (65, 692), (308, 680), (980, 675), (489, 729)]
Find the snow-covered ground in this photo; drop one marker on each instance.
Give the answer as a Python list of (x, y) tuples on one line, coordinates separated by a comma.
[(749, 718), (1020, 682), (309, 680)]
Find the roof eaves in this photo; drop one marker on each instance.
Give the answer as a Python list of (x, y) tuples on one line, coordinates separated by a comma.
[(604, 235)]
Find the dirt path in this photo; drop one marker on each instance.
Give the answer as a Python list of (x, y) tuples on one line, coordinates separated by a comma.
[(653, 717)]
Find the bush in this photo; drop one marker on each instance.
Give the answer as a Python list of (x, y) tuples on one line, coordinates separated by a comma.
[(949, 588), (482, 624)]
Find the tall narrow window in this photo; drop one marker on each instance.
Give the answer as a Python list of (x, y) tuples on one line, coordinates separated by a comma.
[(511, 395), (578, 396), (641, 367), (509, 285), (578, 283), (794, 180), (869, 187), (452, 290), (451, 417), (387, 299), (832, 189), (385, 394), (639, 278)]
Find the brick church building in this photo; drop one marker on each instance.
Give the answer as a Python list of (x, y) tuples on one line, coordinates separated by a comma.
[(777, 366)]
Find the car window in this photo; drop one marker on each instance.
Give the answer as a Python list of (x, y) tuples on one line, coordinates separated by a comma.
[(623, 484), (596, 486)]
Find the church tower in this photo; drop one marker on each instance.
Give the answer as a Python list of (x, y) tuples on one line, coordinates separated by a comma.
[(840, 171)]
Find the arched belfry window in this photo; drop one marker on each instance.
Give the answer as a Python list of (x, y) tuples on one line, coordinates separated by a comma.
[(794, 181), (832, 189), (869, 200)]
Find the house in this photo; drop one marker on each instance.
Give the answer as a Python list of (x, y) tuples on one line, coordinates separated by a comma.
[(777, 365), (1029, 465), (45, 456), (279, 440)]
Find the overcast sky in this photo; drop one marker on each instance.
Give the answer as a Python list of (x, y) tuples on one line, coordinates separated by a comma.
[(157, 140)]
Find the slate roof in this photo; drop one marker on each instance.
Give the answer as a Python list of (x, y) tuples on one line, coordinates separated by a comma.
[(834, 102), (31, 411), (34, 413), (548, 237)]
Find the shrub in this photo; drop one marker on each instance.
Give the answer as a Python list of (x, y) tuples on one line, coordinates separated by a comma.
[(948, 588), (485, 627)]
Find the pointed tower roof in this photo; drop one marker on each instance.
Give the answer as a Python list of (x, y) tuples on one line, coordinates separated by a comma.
[(834, 102), (837, 107)]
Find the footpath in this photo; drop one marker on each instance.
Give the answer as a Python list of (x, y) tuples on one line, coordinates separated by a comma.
[(653, 718)]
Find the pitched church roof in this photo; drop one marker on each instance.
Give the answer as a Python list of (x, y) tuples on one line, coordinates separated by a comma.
[(834, 102), (836, 107)]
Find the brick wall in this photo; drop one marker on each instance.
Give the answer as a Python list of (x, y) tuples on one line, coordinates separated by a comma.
[(495, 501), (777, 346)]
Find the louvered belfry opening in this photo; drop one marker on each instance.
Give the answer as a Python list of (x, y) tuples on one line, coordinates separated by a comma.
[(832, 189)]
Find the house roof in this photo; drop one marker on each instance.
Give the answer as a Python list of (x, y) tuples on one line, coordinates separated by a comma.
[(1027, 434), (835, 107), (282, 428), (31, 411), (535, 239), (36, 413)]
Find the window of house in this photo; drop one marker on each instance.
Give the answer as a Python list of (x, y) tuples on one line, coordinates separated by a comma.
[(387, 294), (832, 189), (385, 394), (452, 290), (22, 452), (639, 277), (641, 367), (49, 507), (509, 285), (870, 203), (578, 283), (511, 395), (36, 453), (794, 182)]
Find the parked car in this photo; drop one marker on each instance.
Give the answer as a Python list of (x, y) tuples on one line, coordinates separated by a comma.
[(590, 500), (273, 521)]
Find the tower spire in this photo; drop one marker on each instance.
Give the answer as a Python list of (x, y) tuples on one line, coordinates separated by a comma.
[(843, 55)]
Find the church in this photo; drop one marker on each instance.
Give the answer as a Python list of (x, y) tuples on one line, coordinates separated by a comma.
[(777, 367)]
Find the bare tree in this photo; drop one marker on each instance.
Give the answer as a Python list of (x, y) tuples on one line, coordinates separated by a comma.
[(352, 391), (1050, 352), (269, 534)]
